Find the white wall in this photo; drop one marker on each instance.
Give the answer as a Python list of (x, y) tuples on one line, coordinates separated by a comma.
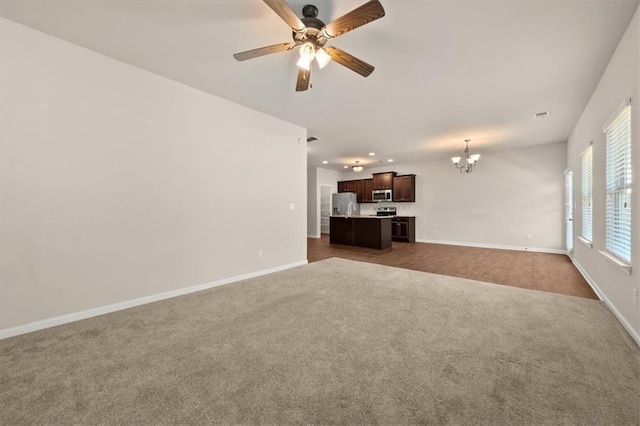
[(619, 81), (510, 194), (118, 184), (313, 206), (329, 178)]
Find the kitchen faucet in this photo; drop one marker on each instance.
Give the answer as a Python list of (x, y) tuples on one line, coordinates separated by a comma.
[(349, 208)]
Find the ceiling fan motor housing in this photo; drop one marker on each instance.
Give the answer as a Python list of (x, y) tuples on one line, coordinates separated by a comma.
[(310, 11), (313, 24)]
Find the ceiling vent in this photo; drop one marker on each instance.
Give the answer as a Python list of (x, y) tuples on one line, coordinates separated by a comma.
[(312, 138), (541, 114)]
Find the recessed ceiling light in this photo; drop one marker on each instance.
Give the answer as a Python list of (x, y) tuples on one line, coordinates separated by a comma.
[(325, 162), (542, 114), (390, 160), (372, 154), (345, 167)]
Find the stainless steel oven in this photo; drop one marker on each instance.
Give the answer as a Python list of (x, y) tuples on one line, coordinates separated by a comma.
[(382, 195)]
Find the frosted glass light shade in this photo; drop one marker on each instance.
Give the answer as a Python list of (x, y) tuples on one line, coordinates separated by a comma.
[(475, 157), (322, 57), (307, 51), (455, 160), (304, 63), (357, 168)]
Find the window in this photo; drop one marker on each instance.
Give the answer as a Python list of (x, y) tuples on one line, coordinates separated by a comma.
[(618, 208), (587, 185)]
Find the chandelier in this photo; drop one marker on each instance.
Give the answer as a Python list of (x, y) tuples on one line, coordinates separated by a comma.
[(358, 167), (469, 160)]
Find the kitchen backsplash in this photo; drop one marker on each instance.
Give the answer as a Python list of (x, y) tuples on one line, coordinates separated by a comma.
[(403, 209)]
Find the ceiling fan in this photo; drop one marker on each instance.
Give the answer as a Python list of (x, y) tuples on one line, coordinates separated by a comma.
[(311, 34)]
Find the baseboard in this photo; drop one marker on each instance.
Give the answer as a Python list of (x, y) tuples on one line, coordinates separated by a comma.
[(634, 335), (77, 316), (494, 246), (313, 236), (589, 280)]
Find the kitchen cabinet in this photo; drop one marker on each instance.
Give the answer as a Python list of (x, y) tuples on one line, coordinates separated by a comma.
[(383, 180), (372, 232), (363, 188), (368, 191), (404, 188), (403, 228), (347, 186), (360, 190), (341, 230)]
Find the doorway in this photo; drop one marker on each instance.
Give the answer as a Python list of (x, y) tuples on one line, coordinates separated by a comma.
[(325, 207), (568, 210)]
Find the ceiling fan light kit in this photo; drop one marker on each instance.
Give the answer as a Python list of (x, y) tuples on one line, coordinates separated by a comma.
[(358, 167), (470, 160), (308, 53), (310, 34), (322, 57)]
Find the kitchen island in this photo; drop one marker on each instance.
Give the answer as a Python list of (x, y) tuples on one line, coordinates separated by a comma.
[(362, 231)]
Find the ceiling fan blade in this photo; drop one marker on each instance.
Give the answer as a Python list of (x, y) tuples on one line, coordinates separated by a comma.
[(282, 9), (364, 14), (261, 51), (304, 78), (350, 61)]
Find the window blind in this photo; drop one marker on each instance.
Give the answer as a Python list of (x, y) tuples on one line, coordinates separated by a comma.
[(587, 185), (618, 208)]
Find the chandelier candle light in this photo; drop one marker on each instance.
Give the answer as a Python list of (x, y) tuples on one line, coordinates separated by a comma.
[(470, 160)]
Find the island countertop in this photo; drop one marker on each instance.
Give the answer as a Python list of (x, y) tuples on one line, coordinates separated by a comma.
[(361, 216), (369, 216)]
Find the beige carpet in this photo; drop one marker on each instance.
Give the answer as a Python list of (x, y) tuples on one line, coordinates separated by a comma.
[(335, 341)]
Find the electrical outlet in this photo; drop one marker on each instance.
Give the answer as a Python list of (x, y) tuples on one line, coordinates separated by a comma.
[(260, 253), (435, 231), (292, 206), (635, 296), (528, 236)]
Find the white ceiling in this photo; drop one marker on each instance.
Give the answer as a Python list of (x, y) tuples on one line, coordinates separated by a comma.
[(445, 70)]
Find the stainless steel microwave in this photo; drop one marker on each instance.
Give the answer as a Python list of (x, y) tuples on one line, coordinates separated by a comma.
[(382, 195)]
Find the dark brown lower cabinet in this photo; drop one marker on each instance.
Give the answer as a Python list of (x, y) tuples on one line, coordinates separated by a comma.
[(361, 231), (403, 228), (341, 230)]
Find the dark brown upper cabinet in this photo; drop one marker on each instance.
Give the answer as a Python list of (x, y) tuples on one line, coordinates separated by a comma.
[(368, 191), (383, 180), (363, 189), (360, 190), (347, 186), (404, 188)]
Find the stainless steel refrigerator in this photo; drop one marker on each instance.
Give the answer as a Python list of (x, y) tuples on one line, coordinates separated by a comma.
[(340, 203)]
